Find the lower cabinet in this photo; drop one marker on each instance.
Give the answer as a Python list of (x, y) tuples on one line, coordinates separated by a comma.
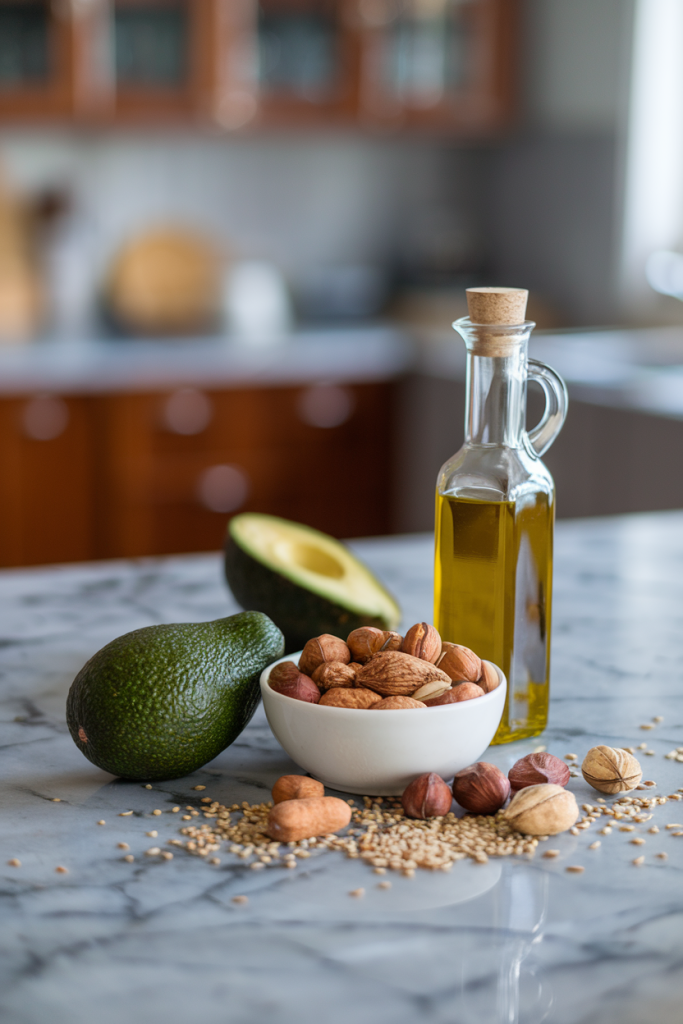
[(156, 473)]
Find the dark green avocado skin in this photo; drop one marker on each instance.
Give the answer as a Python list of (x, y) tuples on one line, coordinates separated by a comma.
[(162, 701), (298, 612)]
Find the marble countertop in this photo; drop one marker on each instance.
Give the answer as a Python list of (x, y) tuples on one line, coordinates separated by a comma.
[(514, 940), (352, 355)]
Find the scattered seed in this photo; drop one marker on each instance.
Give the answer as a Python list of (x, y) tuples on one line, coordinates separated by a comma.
[(257, 865), (539, 749), (570, 757), (152, 835), (174, 810), (103, 822), (240, 899), (199, 788), (639, 861), (61, 870), (129, 857), (574, 831), (649, 753), (384, 885), (642, 746), (14, 863), (551, 853), (56, 799), (148, 786), (595, 845), (649, 783), (629, 750), (215, 860), (627, 828), (638, 841), (125, 814), (167, 855), (648, 725), (157, 813), (674, 826), (658, 719), (153, 851), (575, 869), (357, 893), (379, 871), (186, 817), (677, 833), (662, 856), (123, 846), (654, 830)]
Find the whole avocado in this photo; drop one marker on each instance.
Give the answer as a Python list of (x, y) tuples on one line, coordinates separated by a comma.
[(162, 701)]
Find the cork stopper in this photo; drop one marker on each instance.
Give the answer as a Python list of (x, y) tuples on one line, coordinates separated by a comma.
[(497, 305), (497, 319)]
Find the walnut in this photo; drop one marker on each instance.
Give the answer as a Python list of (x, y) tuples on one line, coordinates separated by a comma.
[(610, 770), (542, 810)]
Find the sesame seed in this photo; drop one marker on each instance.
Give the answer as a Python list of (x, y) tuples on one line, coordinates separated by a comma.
[(56, 799), (571, 757), (148, 786), (647, 725), (167, 855), (626, 828), (240, 899), (539, 749), (673, 825), (215, 860), (256, 866), (199, 788), (551, 853), (102, 822), (575, 869), (186, 817), (658, 719), (639, 861), (129, 857), (642, 746), (156, 812), (153, 851), (649, 783), (595, 845), (61, 870), (638, 841), (152, 835), (662, 856), (384, 885), (357, 893), (125, 814), (654, 830), (174, 810), (123, 846), (14, 863)]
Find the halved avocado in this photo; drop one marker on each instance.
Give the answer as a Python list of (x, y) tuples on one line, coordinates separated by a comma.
[(307, 582)]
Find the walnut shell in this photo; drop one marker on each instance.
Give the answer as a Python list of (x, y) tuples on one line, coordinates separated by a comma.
[(422, 641), (341, 697), (367, 641), (333, 673), (538, 769), (392, 672), (427, 796), (459, 663), (397, 703), (296, 787), (323, 648), (610, 770), (542, 810), (481, 788)]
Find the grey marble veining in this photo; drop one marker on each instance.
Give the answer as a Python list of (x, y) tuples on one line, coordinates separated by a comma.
[(503, 942)]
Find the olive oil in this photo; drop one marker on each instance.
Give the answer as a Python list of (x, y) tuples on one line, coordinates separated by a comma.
[(492, 593)]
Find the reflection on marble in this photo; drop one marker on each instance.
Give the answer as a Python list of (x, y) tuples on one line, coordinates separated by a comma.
[(509, 941)]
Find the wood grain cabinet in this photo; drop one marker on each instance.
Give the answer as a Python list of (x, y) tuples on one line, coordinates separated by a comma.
[(157, 473)]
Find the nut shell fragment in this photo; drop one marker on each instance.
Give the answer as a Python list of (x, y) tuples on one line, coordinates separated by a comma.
[(542, 810), (394, 673), (341, 697), (610, 770)]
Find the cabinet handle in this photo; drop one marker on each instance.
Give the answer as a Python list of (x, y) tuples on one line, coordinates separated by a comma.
[(326, 405), (223, 488), (187, 411), (45, 418)]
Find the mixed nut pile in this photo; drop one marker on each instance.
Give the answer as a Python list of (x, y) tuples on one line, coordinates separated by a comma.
[(378, 670)]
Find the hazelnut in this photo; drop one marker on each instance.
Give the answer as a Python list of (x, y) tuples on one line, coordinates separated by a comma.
[(320, 649), (397, 703), (542, 810), (342, 697), (482, 788), (422, 641), (427, 796), (537, 769), (367, 641), (489, 678), (611, 770), (333, 673), (286, 679), (459, 663), (392, 672), (430, 691), (296, 787), (461, 691)]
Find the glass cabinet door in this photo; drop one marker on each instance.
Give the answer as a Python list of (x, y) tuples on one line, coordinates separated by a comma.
[(35, 57)]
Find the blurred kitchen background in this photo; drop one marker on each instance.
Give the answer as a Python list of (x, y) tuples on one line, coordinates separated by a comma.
[(234, 233)]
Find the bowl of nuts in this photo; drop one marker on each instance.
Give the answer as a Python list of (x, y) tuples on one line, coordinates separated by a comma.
[(442, 703)]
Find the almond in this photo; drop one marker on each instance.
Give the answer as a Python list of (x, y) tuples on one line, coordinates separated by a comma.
[(422, 641), (341, 697), (397, 704), (292, 820), (296, 787), (459, 663), (394, 673)]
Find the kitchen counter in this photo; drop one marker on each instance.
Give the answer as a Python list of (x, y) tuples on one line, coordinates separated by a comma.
[(511, 940), (353, 355)]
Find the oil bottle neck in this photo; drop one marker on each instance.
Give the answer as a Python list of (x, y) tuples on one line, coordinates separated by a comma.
[(496, 398)]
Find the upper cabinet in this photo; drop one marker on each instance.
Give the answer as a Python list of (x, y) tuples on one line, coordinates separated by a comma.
[(442, 65)]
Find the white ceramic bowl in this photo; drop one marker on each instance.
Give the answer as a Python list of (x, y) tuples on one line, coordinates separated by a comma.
[(379, 752)]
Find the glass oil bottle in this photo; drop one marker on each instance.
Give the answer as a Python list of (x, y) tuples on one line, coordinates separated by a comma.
[(495, 511)]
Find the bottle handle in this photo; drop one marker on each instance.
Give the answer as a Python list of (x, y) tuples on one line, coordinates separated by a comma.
[(556, 401)]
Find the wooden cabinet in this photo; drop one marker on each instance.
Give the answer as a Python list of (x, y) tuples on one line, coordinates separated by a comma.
[(444, 65), (157, 473)]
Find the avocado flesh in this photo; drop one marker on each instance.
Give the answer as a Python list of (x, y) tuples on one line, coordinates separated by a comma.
[(162, 701), (307, 582)]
